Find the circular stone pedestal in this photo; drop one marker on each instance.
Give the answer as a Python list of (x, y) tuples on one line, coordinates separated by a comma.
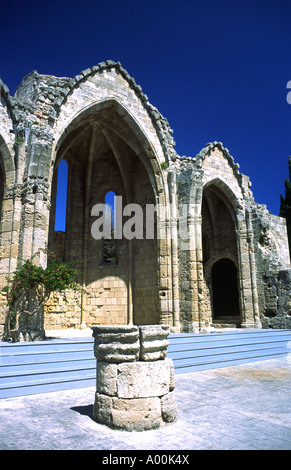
[(135, 381)]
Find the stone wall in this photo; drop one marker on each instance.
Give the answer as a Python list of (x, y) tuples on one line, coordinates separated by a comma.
[(273, 268)]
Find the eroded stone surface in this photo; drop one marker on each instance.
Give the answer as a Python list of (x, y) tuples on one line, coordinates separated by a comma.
[(169, 408), (107, 378), (144, 379), (137, 414), (130, 415), (116, 343), (153, 342)]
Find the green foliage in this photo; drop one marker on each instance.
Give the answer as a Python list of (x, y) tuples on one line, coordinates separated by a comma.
[(30, 278), (109, 251), (164, 165), (285, 207)]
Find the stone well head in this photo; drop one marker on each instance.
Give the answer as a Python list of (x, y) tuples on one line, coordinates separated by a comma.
[(135, 379)]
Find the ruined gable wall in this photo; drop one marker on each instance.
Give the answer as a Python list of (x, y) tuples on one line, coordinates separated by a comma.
[(266, 248), (213, 165), (220, 170), (110, 81), (102, 84), (219, 167)]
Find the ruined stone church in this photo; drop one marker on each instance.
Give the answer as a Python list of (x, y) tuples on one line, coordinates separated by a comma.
[(217, 258)]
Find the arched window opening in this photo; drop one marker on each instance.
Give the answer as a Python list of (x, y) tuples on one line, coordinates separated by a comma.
[(109, 242), (61, 197)]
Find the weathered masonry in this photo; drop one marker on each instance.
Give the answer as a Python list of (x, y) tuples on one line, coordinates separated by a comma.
[(217, 257)]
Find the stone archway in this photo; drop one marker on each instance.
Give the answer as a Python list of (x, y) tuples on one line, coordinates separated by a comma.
[(104, 154), (220, 255)]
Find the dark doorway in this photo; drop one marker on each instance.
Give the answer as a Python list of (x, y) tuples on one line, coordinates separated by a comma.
[(225, 290)]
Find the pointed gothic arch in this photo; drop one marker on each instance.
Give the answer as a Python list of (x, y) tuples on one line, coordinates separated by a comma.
[(106, 149), (221, 251)]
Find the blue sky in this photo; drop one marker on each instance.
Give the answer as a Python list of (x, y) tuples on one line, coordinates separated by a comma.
[(217, 70)]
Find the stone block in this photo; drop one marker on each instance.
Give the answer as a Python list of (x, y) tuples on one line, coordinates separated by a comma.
[(102, 410), (130, 415), (139, 414), (144, 379), (107, 378)]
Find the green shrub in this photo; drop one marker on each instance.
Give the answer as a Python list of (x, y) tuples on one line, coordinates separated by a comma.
[(30, 278)]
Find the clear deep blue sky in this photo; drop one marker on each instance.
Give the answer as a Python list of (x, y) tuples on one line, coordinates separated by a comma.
[(217, 70)]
